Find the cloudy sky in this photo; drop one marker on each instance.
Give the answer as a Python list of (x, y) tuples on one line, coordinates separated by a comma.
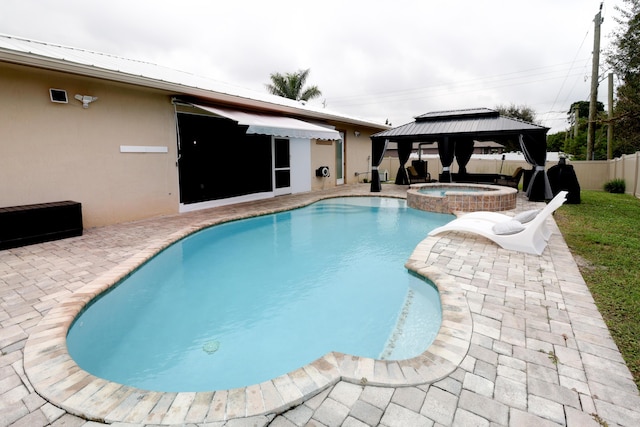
[(378, 60)]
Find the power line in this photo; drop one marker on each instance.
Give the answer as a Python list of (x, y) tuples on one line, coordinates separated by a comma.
[(412, 93), (564, 81), (446, 90)]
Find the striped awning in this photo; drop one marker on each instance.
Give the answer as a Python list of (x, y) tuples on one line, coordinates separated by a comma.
[(280, 126)]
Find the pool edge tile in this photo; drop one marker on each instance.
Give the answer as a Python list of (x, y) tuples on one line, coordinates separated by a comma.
[(365, 370), (157, 412), (83, 394), (288, 390), (304, 382), (347, 365), (255, 401), (179, 408), (236, 403), (218, 407), (199, 407), (321, 380), (98, 405), (71, 384), (271, 399), (125, 408)]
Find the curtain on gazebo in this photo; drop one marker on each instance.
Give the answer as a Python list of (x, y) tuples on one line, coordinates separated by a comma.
[(446, 151), (378, 147), (535, 153), (463, 150), (404, 151)]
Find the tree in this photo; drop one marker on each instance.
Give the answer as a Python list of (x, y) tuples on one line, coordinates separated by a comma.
[(291, 85), (624, 59), (520, 112), (556, 141), (583, 109), (575, 143)]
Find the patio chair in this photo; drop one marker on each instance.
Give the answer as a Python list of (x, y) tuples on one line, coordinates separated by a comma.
[(510, 180), (506, 231), (418, 172), (522, 217), (413, 175)]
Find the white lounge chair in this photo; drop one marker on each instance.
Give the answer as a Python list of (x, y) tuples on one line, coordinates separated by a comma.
[(530, 237), (523, 217)]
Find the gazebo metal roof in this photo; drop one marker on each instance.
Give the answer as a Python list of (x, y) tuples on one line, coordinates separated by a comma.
[(476, 122)]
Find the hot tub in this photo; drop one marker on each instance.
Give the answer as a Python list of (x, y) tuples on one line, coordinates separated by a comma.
[(452, 197)]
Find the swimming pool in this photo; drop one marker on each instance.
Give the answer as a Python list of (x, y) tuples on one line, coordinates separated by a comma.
[(341, 259)]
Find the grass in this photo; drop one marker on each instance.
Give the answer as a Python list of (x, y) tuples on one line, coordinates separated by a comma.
[(603, 232)]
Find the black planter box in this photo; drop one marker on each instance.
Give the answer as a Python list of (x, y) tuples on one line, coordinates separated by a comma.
[(28, 224)]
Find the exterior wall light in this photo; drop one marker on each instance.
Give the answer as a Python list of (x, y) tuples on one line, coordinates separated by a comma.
[(86, 99)]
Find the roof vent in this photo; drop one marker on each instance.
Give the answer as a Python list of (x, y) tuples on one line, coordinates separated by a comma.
[(58, 95)]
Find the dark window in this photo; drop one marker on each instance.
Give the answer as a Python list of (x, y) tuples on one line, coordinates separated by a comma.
[(218, 160), (283, 178), (282, 153)]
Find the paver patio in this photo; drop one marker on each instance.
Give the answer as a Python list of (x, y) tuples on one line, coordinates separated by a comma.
[(539, 354)]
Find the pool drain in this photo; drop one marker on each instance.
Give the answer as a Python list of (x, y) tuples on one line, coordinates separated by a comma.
[(211, 347)]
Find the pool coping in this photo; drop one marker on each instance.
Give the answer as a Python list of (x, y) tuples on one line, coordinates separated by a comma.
[(58, 379)]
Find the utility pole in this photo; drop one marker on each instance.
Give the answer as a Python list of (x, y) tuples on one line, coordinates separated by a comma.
[(610, 121), (593, 100)]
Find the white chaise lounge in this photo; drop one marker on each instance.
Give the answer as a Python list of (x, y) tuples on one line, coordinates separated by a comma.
[(507, 231), (523, 217)]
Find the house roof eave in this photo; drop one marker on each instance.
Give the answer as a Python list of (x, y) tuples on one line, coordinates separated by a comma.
[(61, 65)]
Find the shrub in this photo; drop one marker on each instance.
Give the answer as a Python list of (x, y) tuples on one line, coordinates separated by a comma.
[(615, 186)]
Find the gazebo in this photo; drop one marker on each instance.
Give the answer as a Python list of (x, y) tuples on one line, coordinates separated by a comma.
[(454, 132)]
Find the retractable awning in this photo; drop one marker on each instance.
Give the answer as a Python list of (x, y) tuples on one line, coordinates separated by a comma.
[(263, 124)]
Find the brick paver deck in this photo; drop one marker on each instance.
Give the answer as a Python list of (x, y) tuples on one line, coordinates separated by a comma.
[(538, 352)]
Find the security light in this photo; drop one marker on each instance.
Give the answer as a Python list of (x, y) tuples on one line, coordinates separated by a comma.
[(86, 99)]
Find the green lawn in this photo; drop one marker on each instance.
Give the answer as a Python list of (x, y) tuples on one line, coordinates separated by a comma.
[(604, 230)]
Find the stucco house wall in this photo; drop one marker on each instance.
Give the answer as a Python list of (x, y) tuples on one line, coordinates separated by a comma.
[(53, 152), (358, 154), (119, 157), (323, 154)]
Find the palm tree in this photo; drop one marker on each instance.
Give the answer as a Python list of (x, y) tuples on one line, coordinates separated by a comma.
[(291, 85)]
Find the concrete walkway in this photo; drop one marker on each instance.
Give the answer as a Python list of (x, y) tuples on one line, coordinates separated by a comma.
[(539, 353)]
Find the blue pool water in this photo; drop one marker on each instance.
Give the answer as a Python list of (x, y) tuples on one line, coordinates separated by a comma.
[(246, 301)]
